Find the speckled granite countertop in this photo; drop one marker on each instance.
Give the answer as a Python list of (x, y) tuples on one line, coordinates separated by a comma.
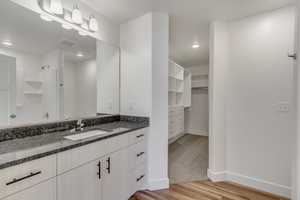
[(17, 151)]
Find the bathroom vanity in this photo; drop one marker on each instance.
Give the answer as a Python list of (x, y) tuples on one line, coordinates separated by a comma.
[(50, 167)]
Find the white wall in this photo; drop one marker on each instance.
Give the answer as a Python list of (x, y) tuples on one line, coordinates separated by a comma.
[(144, 86), (86, 88), (217, 85), (136, 64), (196, 117), (70, 89), (259, 79), (80, 89), (108, 83)]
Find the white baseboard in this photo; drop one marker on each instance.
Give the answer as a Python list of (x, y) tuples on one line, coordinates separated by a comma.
[(216, 176), (197, 132), (259, 184), (158, 184)]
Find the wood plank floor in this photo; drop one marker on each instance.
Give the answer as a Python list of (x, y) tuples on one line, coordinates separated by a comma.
[(205, 190)]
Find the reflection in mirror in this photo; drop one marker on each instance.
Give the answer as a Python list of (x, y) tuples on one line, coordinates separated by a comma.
[(48, 73)]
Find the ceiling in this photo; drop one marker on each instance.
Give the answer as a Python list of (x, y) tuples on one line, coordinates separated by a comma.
[(189, 19), (38, 37)]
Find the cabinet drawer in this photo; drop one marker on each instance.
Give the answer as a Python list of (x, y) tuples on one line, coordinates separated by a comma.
[(137, 155), (43, 191), (78, 156), (137, 136), (137, 179), (17, 178)]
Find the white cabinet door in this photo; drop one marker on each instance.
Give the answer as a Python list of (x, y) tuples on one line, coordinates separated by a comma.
[(108, 78), (43, 191), (115, 179), (82, 183)]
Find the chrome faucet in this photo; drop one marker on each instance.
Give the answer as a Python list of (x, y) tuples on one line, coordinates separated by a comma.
[(79, 126)]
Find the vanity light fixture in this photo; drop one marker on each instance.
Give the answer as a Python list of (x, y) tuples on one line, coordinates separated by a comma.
[(45, 18), (76, 15), (71, 19), (93, 23), (7, 43), (196, 45), (56, 7)]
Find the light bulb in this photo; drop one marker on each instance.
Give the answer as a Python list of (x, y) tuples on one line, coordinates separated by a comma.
[(56, 7), (93, 24), (76, 15)]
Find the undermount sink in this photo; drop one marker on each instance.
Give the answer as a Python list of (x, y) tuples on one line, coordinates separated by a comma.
[(85, 135)]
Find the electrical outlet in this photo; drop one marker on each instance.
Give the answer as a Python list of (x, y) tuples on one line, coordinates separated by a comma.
[(284, 106)]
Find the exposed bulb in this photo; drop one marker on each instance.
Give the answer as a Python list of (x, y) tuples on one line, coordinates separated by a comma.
[(77, 15), (93, 24)]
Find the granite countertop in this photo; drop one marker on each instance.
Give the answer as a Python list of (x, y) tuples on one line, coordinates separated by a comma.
[(17, 151)]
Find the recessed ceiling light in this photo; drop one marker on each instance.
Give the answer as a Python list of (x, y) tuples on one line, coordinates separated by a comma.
[(66, 26), (7, 43), (196, 45), (79, 54), (46, 18)]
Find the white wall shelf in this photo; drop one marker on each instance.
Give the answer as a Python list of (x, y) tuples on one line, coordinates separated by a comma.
[(200, 83)]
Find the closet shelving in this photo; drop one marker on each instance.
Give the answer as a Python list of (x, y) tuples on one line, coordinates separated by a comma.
[(179, 98), (200, 80)]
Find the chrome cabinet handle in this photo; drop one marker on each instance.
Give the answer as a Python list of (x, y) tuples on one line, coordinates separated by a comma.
[(139, 136), (16, 180)]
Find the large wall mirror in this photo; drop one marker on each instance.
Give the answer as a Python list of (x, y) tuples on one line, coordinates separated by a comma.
[(48, 73)]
